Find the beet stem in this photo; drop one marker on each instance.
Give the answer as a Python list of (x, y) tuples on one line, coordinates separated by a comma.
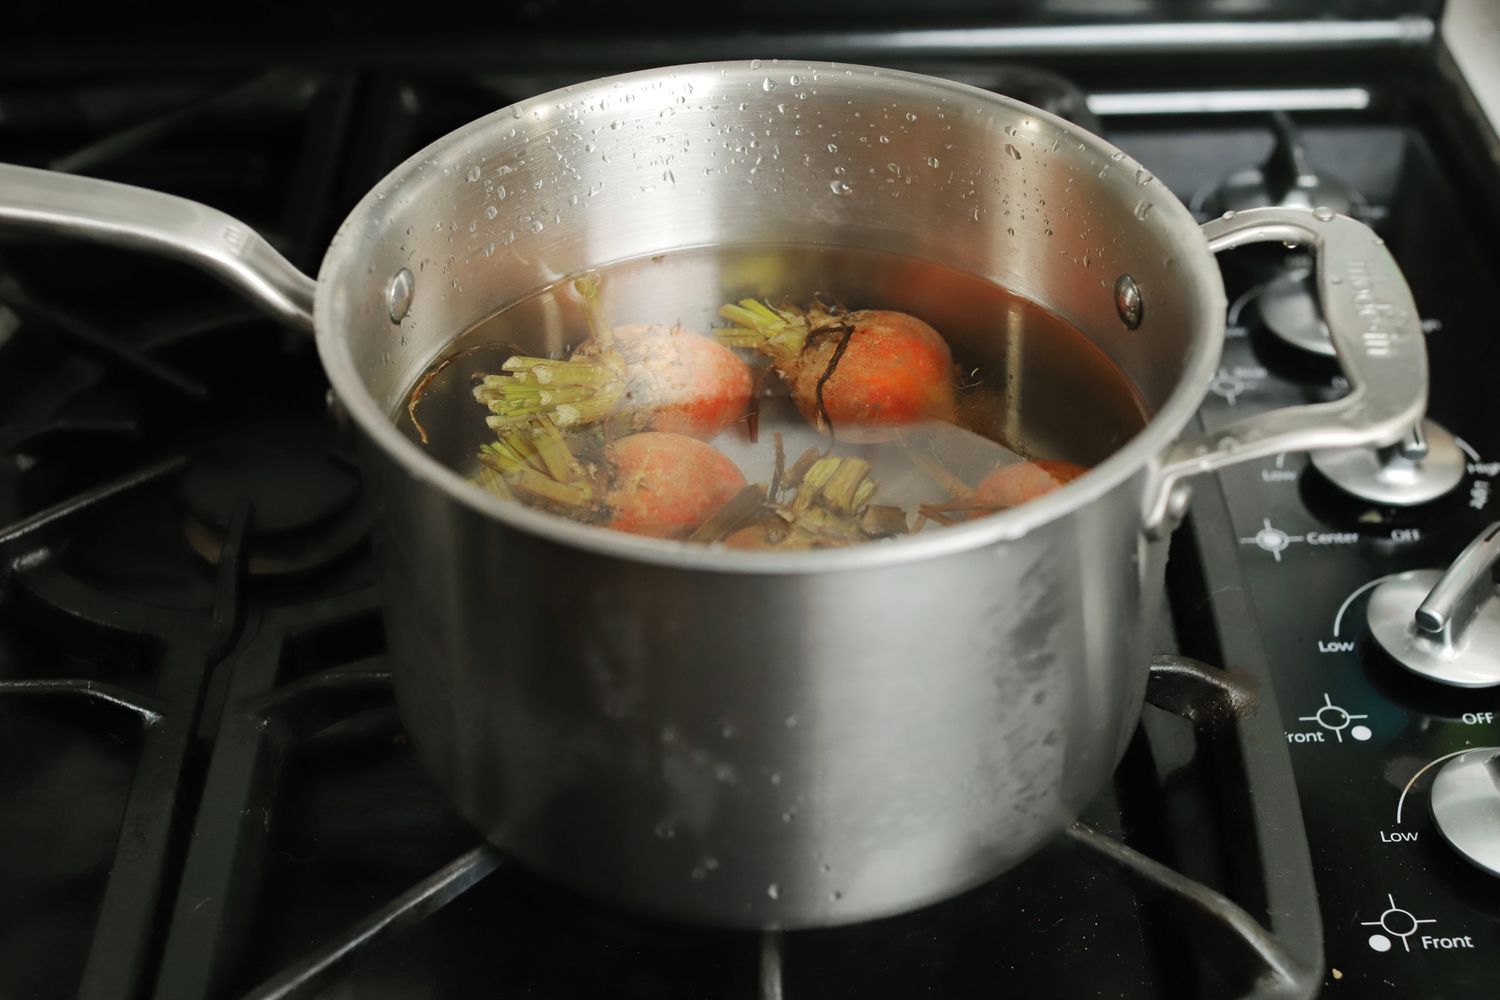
[(593, 308)]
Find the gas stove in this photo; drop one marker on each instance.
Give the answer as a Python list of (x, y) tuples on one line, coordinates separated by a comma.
[(207, 791)]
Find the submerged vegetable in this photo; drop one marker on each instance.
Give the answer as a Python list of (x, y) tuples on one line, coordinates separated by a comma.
[(1015, 484), (665, 485), (822, 501), (655, 483), (866, 373), (650, 376), (1005, 487), (614, 434)]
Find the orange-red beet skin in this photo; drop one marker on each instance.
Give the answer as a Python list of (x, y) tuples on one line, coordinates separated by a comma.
[(666, 485), (895, 372), (1015, 484), (684, 382)]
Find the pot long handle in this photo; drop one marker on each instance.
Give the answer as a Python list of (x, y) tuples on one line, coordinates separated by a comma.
[(1376, 333), (126, 216)]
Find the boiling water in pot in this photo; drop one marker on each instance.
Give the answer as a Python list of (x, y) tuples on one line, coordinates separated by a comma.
[(820, 424)]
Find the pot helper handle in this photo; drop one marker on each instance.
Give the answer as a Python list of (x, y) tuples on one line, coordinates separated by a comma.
[(126, 216), (1376, 334)]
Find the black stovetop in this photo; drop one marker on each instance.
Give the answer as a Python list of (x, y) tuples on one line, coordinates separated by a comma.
[(207, 793)]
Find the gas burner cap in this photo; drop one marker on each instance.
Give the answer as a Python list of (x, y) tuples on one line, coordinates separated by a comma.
[(282, 468), (1288, 307), (285, 554), (1288, 177), (304, 505)]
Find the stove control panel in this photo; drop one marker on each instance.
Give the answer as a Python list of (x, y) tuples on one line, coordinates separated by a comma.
[(1368, 575)]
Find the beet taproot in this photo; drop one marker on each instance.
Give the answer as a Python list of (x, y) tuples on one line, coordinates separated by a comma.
[(651, 376), (665, 485), (1015, 484), (654, 483), (865, 374)]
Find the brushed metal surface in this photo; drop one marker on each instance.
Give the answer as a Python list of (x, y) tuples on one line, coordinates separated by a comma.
[(1466, 807), (1444, 625), (1393, 476), (127, 216)]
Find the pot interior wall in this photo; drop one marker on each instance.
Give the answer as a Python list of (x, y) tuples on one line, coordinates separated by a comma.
[(770, 154)]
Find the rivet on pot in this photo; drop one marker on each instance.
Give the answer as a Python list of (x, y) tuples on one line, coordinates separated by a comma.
[(1128, 302), (398, 295)]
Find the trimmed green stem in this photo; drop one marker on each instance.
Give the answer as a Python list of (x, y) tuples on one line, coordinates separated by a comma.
[(536, 460), (588, 388), (778, 333), (593, 308)]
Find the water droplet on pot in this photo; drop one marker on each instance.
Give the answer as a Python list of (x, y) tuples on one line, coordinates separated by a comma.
[(840, 187), (773, 890), (932, 161), (832, 148), (768, 85), (536, 226), (1323, 214), (490, 211), (664, 830), (1143, 209), (1013, 152)]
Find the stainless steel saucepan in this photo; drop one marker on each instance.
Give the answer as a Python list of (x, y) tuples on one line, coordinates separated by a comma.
[(614, 711)]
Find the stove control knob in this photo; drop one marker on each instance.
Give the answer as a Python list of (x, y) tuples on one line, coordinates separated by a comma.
[(1444, 625), (1288, 307), (1423, 466), (1466, 806)]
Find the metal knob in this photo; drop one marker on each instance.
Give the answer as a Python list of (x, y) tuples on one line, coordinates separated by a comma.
[(1444, 625), (1466, 806), (1423, 466), (1288, 307)]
